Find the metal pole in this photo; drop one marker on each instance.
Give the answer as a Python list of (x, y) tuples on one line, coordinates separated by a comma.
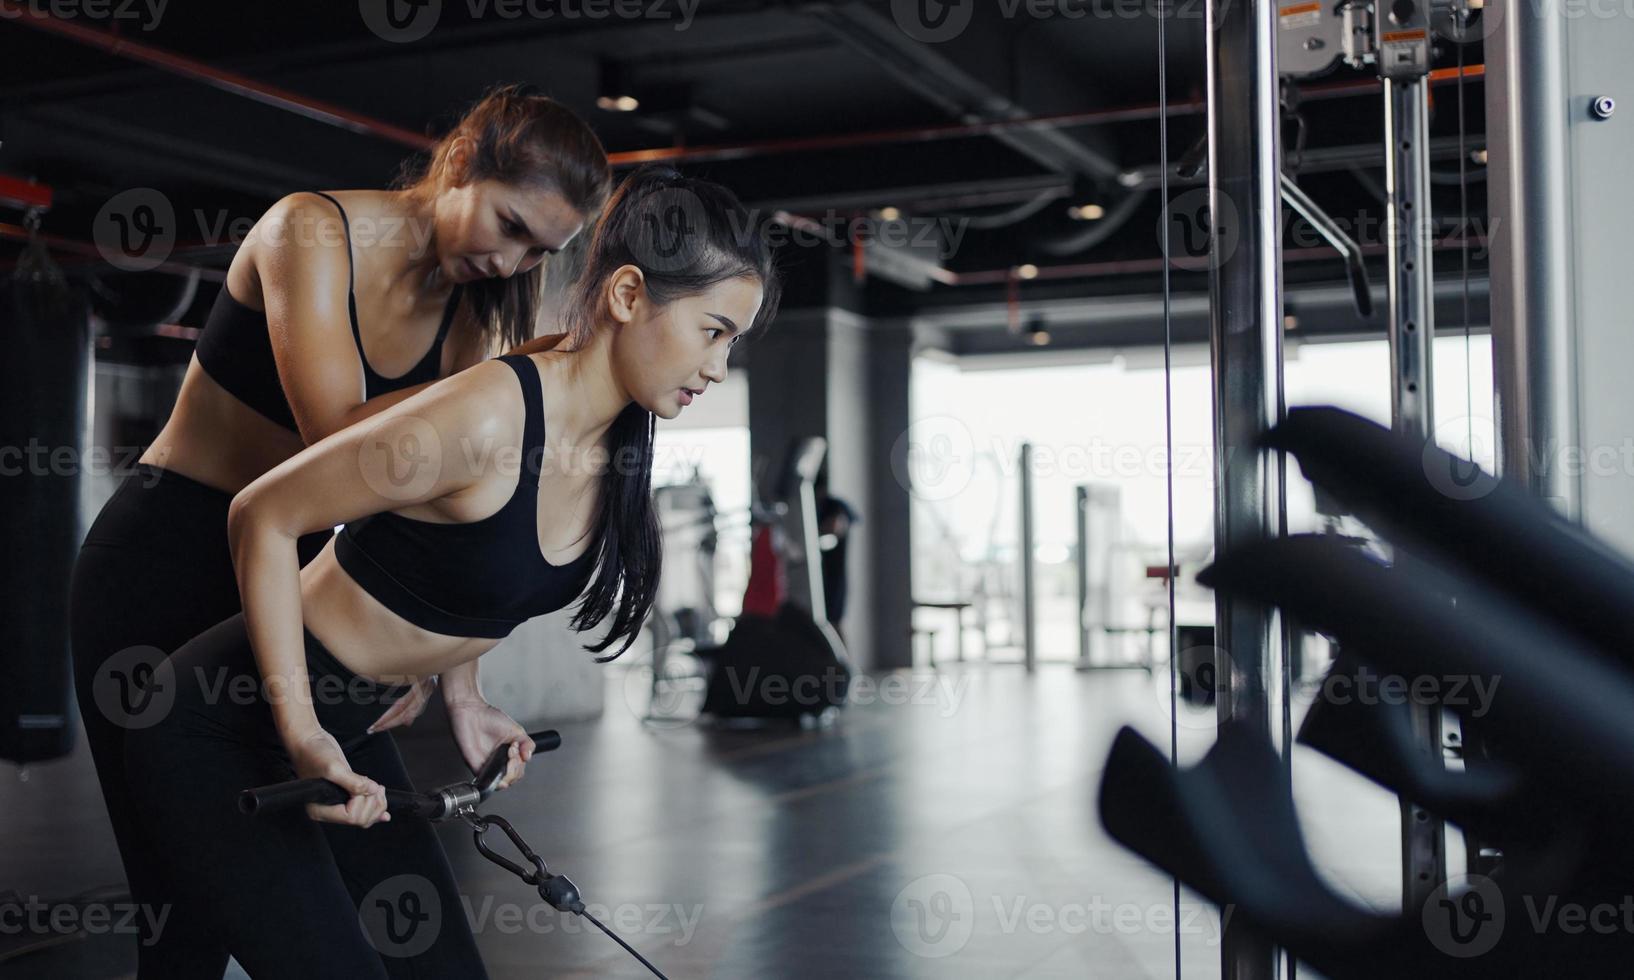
[(1533, 335), (1081, 499), (1412, 306), (1412, 402), (1245, 333), (1029, 650)]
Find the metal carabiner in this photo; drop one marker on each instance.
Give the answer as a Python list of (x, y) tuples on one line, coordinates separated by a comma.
[(480, 824)]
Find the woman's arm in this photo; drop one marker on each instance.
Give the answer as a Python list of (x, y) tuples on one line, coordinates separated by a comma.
[(461, 685), (304, 268), (357, 471), (479, 727)]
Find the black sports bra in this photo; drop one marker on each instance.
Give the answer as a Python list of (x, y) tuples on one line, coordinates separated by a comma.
[(235, 350), (478, 578)]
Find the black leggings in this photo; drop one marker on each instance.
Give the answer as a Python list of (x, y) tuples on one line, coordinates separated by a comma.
[(154, 572), (288, 897)]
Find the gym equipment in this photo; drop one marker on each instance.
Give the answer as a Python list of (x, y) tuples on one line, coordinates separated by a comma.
[(684, 609), (785, 661), (45, 425), (1494, 579), (135, 304), (455, 801)]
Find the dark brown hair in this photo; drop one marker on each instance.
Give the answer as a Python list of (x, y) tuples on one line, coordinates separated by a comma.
[(529, 140), (685, 235)]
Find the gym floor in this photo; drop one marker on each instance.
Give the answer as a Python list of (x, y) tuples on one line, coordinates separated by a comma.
[(944, 826)]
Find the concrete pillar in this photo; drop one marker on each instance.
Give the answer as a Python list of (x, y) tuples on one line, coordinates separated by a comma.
[(828, 372)]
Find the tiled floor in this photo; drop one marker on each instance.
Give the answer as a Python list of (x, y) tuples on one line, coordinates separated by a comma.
[(946, 829)]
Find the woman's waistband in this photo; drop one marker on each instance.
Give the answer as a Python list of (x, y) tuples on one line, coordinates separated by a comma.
[(219, 687), (322, 663), (157, 509)]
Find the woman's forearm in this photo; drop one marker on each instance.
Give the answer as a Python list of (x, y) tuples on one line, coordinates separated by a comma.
[(461, 683), (380, 403), (269, 580)]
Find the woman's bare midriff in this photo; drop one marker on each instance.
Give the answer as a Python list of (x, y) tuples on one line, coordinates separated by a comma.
[(214, 438), (367, 638)]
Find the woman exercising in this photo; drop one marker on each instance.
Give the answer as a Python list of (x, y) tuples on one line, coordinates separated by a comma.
[(499, 494), (336, 307)]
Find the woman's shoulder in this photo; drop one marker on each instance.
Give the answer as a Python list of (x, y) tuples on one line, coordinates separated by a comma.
[(539, 344), (299, 229)]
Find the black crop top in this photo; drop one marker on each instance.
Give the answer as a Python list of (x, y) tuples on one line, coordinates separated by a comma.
[(235, 350), (477, 578)]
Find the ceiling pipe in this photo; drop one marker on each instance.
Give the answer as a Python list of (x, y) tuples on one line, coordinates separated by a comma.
[(218, 78), (921, 134), (86, 250), (1089, 270), (356, 122)]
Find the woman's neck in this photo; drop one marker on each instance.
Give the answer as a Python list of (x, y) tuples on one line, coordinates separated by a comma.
[(592, 396), (408, 221)]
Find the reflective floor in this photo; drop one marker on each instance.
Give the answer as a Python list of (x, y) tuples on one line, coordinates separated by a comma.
[(943, 826)]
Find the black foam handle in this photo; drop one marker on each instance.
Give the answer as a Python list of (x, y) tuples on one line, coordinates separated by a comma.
[(494, 767), (299, 792), (287, 795)]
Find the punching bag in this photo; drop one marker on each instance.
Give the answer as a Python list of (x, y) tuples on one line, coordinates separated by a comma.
[(44, 429)]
